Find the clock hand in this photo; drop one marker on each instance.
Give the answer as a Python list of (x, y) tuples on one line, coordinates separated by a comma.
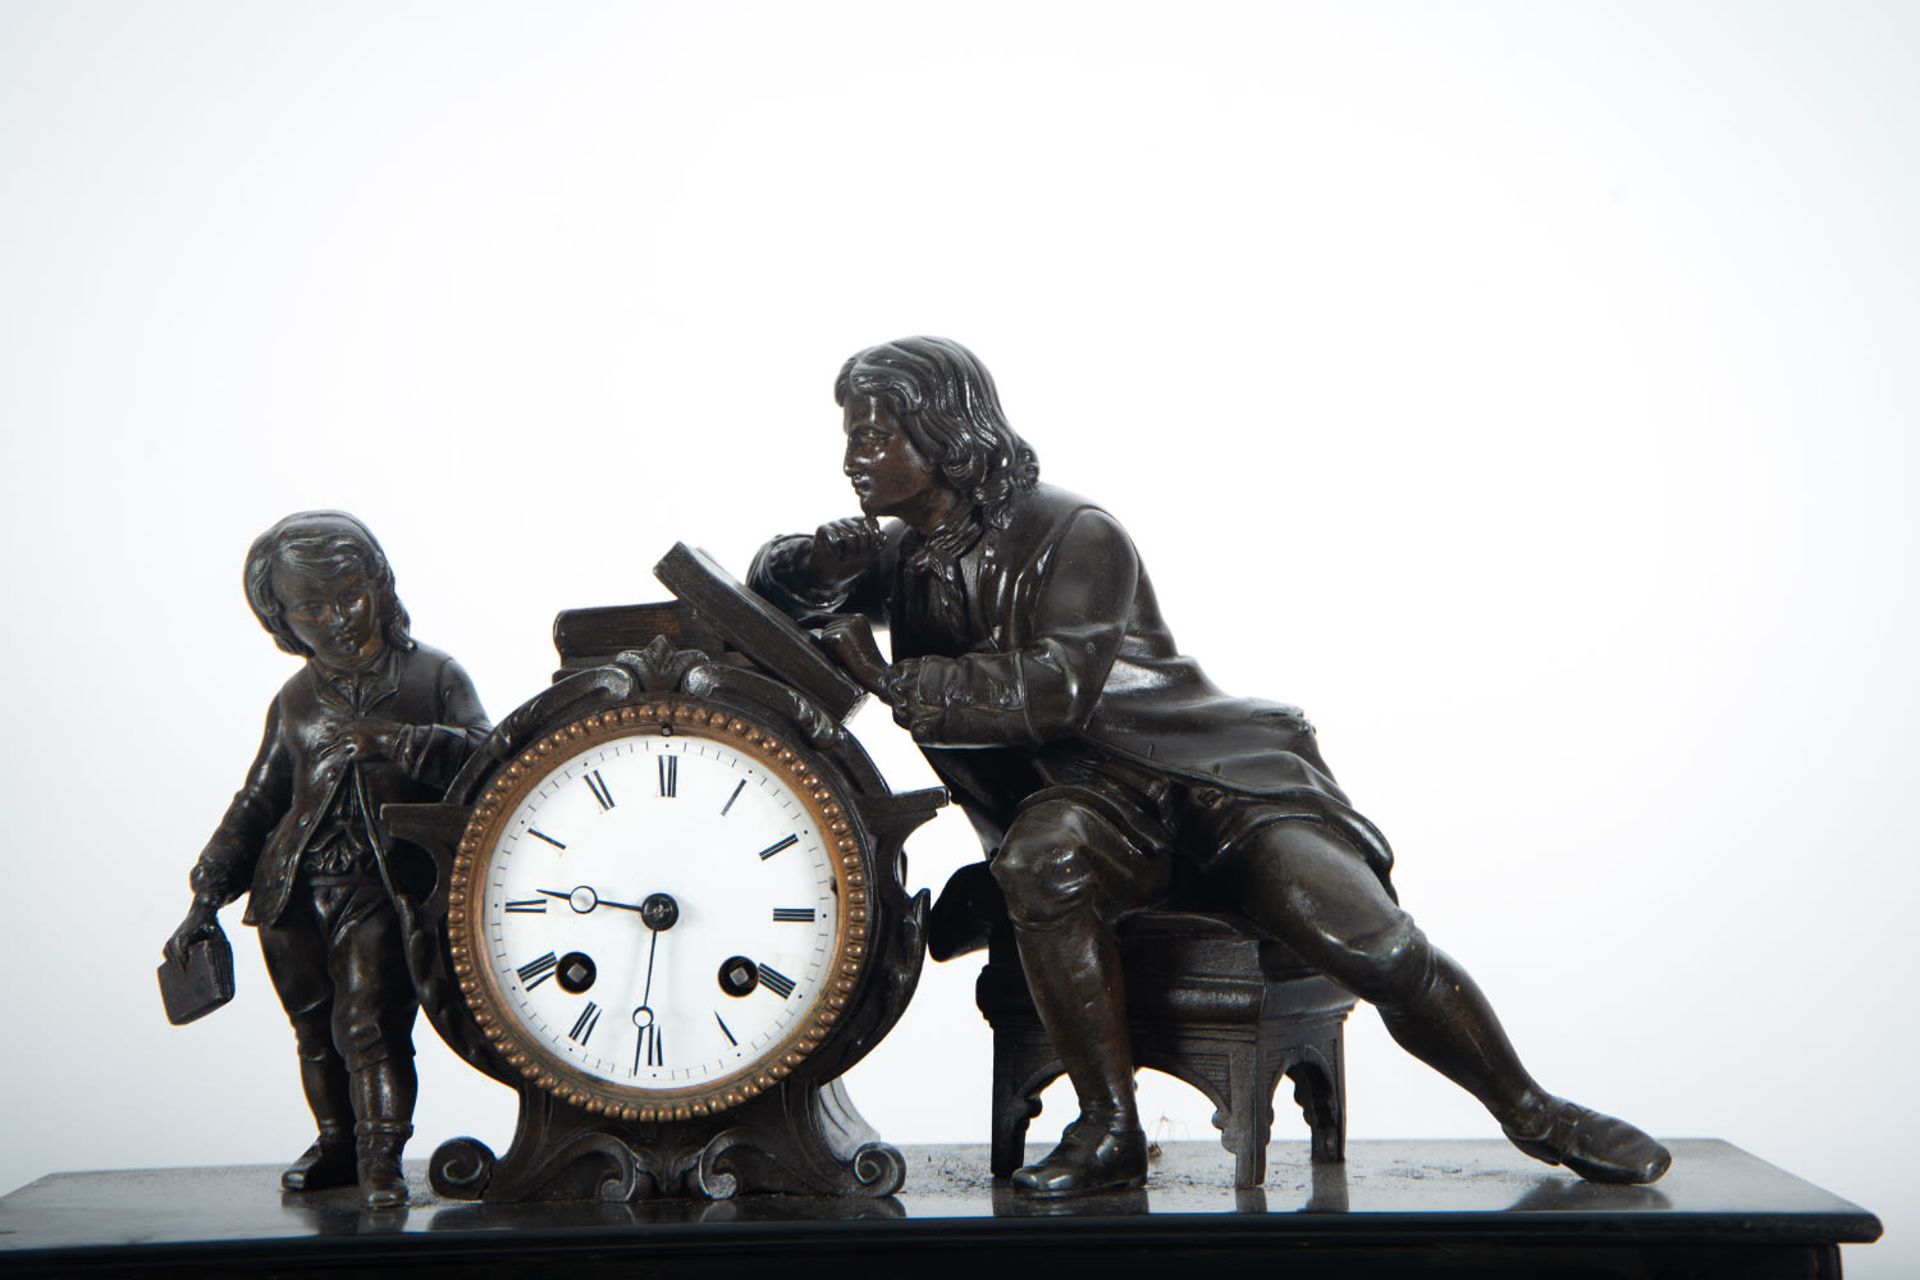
[(646, 995), (583, 899), (659, 915), (649, 1040), (648, 1043)]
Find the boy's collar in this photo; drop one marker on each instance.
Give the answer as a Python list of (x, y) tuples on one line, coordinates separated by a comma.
[(359, 690)]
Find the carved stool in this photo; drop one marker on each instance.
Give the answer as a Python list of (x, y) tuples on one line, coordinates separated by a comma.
[(1209, 1001)]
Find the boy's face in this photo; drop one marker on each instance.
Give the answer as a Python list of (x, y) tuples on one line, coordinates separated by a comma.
[(336, 617)]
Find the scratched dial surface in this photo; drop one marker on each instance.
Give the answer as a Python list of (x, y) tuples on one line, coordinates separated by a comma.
[(660, 912)]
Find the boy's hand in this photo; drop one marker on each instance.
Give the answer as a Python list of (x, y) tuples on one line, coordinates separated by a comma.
[(369, 739), (374, 739), (202, 922)]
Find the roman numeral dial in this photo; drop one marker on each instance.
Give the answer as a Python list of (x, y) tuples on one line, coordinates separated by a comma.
[(663, 907), (538, 970)]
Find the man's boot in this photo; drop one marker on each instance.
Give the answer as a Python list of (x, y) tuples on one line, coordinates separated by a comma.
[(1073, 974), (329, 1162), (1449, 1025), (1597, 1147)]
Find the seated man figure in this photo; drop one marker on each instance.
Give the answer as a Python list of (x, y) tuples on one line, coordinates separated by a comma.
[(1033, 668)]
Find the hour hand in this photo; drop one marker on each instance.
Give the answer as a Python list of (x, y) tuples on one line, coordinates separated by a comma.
[(583, 899)]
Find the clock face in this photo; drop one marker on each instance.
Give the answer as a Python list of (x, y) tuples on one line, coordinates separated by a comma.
[(657, 908)]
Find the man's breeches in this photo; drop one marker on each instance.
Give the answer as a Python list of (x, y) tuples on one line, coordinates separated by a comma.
[(1294, 879), (336, 961)]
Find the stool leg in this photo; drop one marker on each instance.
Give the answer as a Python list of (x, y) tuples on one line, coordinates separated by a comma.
[(1317, 1087), (1246, 1123), (1250, 1163), (1337, 1097), (1013, 1105)]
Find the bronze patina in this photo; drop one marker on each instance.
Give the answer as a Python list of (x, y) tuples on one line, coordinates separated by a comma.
[(1104, 773), (372, 717)]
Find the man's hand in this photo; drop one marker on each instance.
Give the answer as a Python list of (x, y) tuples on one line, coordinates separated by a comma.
[(842, 551), (849, 639), (900, 689), (202, 922)]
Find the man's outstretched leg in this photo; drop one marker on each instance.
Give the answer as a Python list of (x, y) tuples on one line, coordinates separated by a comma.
[(1062, 870), (1301, 884)]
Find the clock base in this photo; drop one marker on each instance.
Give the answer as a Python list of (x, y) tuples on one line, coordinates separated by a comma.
[(797, 1139), (1433, 1208)]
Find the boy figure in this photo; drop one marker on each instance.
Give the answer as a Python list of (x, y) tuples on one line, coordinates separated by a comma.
[(1033, 668), (373, 718)]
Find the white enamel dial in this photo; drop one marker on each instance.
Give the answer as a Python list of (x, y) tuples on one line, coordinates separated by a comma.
[(660, 911)]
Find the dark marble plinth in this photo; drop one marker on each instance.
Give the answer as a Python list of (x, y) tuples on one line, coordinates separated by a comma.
[(1428, 1208)]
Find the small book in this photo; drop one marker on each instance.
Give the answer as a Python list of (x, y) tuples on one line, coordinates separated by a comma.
[(201, 985)]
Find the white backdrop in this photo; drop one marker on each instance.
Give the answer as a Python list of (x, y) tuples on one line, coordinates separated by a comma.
[(1528, 391)]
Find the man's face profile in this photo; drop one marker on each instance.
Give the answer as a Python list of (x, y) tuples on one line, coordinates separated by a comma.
[(890, 476)]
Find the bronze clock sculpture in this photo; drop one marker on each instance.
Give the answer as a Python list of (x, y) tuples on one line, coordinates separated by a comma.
[(664, 900), (1105, 773), (669, 912), (373, 717)]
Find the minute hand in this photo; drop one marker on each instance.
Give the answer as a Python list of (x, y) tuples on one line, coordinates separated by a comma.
[(646, 995)]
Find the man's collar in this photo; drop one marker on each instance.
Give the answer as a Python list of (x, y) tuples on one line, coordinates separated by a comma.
[(941, 550)]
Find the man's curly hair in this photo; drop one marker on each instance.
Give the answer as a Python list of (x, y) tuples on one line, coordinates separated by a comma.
[(945, 399)]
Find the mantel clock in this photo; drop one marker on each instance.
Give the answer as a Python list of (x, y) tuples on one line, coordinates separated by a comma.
[(669, 911)]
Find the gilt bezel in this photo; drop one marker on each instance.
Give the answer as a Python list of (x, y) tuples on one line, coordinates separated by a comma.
[(514, 781)]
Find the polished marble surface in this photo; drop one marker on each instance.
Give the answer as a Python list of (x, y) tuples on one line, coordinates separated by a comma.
[(1473, 1189)]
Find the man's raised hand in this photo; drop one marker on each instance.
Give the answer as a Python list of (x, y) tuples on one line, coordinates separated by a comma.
[(843, 550)]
